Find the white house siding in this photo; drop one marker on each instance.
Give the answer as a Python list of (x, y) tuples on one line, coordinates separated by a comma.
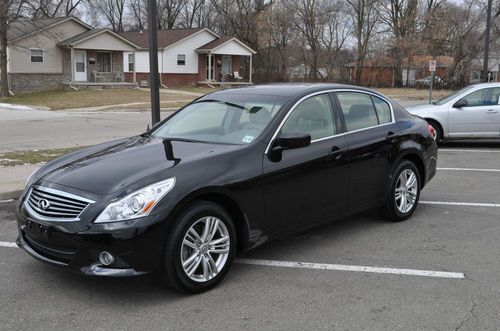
[(20, 54), (141, 61), (232, 48), (187, 47), (168, 60)]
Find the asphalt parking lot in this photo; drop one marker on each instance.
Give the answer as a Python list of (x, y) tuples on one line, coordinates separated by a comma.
[(444, 272)]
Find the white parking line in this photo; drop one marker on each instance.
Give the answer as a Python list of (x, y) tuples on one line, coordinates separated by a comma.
[(469, 204), (470, 150), (469, 169), (341, 267), (7, 244), (6, 201)]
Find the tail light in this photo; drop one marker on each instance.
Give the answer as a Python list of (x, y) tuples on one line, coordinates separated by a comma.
[(432, 131)]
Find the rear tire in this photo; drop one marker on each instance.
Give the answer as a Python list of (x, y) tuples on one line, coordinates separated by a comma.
[(200, 248), (404, 192)]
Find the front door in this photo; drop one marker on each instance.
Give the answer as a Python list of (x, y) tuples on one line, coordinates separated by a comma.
[(307, 184), (480, 117), (226, 64), (80, 65)]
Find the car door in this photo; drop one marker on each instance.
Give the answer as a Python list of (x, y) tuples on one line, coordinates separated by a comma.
[(307, 184), (480, 117), (370, 135)]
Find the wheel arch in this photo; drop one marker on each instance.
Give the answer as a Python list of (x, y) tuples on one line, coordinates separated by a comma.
[(416, 159), (224, 200)]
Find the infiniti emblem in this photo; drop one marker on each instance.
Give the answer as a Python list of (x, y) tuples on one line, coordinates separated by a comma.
[(43, 204)]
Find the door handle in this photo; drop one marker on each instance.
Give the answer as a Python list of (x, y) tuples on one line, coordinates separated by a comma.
[(391, 135), (336, 152), (491, 111)]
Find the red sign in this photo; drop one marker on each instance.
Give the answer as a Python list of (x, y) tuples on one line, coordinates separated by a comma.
[(432, 65)]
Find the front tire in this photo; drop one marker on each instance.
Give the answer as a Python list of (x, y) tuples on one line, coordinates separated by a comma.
[(404, 192), (200, 248)]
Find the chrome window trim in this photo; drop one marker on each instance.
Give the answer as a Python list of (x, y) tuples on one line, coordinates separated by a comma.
[(338, 134), (39, 217)]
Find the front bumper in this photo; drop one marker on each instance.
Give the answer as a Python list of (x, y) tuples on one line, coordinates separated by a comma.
[(136, 245)]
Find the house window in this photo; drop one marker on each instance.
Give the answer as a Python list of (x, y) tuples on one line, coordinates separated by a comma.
[(131, 62), (181, 59), (104, 61), (36, 55)]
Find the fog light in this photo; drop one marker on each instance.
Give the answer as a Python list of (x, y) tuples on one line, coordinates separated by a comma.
[(106, 258)]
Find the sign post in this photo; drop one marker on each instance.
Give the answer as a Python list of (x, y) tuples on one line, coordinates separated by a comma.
[(432, 70), (153, 62)]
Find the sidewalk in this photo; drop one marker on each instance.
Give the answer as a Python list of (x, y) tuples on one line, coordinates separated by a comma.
[(12, 180)]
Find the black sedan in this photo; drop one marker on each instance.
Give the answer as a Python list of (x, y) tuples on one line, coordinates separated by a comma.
[(226, 173)]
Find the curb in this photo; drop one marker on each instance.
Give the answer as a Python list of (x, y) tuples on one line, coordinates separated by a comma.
[(11, 195)]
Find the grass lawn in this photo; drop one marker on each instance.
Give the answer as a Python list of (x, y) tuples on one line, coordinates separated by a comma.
[(413, 93), (60, 99), (197, 89), (11, 159)]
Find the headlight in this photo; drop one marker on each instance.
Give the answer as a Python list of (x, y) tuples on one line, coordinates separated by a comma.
[(137, 204), (31, 176)]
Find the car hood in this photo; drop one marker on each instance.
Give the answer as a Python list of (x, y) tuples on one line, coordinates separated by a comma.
[(420, 109), (114, 167)]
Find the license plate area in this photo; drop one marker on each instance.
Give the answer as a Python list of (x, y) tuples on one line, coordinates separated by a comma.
[(37, 230)]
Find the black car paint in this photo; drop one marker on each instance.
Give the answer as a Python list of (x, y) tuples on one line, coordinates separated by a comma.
[(267, 198)]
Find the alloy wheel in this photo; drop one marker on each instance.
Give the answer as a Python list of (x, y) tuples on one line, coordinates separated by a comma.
[(205, 249), (406, 191)]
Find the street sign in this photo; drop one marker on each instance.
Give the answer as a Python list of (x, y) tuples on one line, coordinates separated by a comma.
[(432, 65)]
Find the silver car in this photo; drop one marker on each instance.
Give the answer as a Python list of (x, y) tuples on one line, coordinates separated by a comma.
[(472, 112)]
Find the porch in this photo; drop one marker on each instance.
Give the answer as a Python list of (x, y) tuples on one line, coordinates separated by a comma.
[(225, 62), (97, 59)]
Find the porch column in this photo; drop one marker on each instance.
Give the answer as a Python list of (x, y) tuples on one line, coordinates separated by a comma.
[(250, 74), (209, 66), (72, 64), (134, 72)]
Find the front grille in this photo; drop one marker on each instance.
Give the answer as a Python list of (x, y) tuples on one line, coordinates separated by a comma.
[(48, 204)]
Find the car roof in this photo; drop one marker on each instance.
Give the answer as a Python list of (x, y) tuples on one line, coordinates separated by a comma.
[(287, 90)]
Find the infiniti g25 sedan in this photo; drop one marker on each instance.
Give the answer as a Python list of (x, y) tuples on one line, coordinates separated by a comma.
[(226, 173)]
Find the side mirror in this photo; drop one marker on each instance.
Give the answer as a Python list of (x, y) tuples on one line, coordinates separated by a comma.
[(460, 103), (292, 140)]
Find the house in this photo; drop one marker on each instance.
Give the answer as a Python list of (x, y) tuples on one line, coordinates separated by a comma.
[(381, 71), (46, 54), (476, 72), (64, 51), (190, 56)]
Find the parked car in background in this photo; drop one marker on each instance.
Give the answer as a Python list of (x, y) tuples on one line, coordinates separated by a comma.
[(226, 173), (426, 82), (470, 113)]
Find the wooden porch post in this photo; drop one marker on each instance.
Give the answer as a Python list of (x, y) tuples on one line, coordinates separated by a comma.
[(250, 74), (209, 67), (135, 72), (72, 65)]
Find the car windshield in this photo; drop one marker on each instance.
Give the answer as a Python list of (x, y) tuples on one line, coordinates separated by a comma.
[(452, 96), (227, 119)]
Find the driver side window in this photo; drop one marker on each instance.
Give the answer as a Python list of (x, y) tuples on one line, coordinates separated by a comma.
[(314, 116), (477, 98)]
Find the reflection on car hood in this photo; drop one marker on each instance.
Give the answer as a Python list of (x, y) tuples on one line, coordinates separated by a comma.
[(114, 167), (421, 108)]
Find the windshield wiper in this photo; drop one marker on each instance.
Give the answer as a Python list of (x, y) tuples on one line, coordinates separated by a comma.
[(224, 102)]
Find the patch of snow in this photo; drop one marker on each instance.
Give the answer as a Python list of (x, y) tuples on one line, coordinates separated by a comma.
[(14, 107)]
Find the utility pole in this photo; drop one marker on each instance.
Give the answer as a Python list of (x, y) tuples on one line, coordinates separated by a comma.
[(487, 43), (153, 62)]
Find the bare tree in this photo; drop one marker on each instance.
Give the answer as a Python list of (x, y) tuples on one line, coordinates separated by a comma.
[(112, 11), (169, 12), (52, 8), (10, 11), (336, 32), (311, 16), (366, 16)]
